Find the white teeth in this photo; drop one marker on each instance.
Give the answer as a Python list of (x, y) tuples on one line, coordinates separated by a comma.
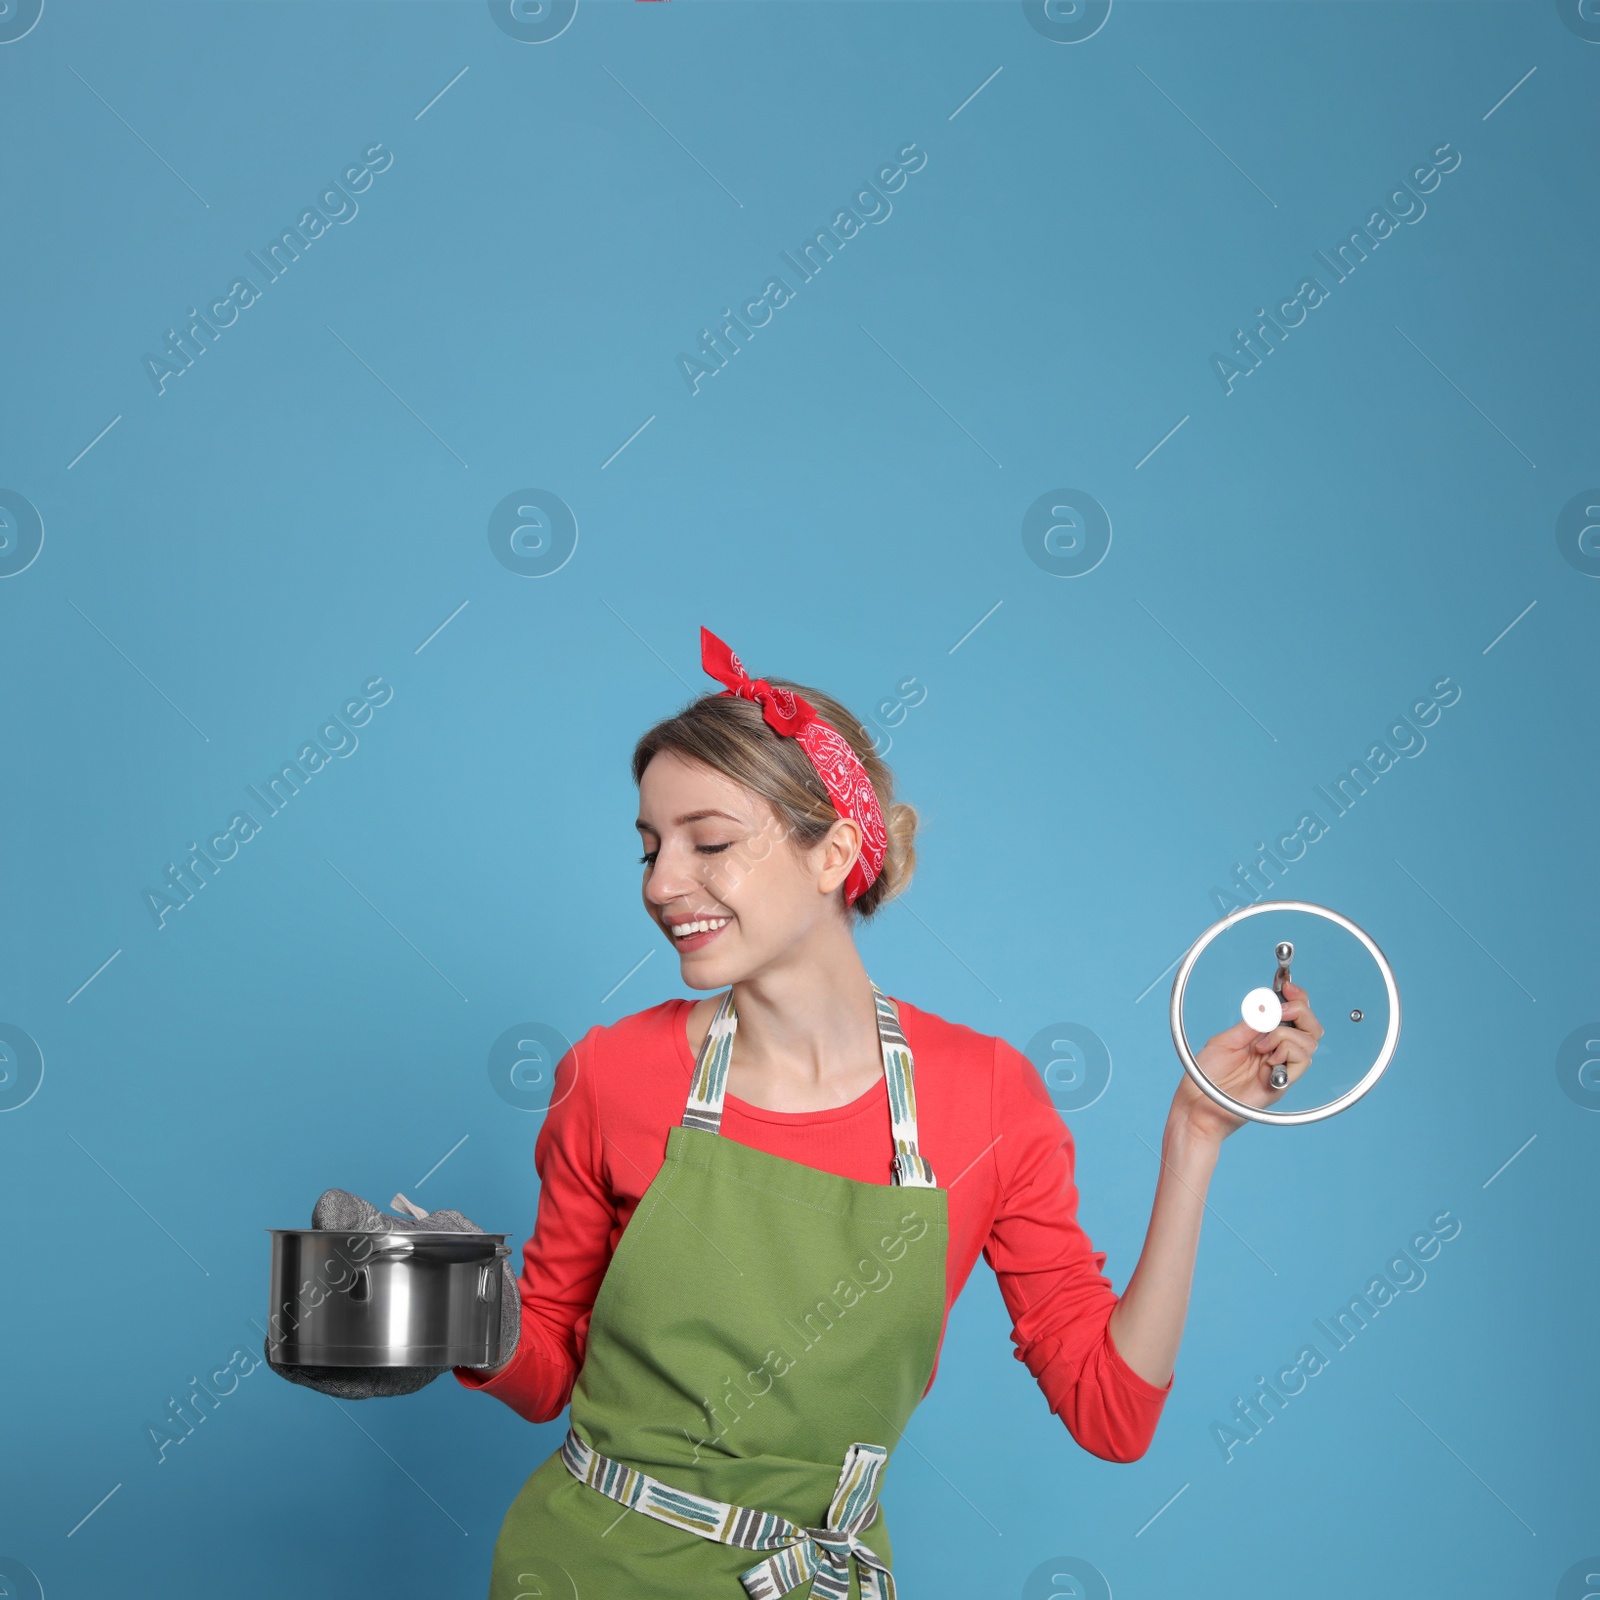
[(684, 929)]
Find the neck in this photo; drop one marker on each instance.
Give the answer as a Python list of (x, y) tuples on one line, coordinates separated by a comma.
[(809, 1017)]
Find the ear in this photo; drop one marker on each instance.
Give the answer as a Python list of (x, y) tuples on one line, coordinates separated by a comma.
[(838, 850)]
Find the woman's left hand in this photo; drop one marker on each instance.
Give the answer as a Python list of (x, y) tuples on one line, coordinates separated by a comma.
[(1239, 1061)]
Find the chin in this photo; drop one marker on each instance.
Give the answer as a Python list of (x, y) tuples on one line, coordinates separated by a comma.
[(716, 971), (701, 979)]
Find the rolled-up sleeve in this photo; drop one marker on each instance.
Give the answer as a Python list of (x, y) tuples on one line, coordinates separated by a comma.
[(1051, 1275)]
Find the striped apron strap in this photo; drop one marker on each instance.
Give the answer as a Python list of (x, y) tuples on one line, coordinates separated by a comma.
[(709, 1085), (910, 1169), (820, 1555)]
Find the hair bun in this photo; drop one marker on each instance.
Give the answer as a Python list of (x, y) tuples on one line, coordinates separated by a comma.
[(900, 859)]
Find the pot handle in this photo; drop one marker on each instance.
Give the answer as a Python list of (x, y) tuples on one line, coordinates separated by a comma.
[(396, 1246), (391, 1246)]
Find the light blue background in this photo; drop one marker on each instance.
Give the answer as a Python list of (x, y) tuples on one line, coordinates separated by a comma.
[(292, 517)]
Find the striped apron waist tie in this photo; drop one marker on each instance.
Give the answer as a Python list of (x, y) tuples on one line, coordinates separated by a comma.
[(821, 1555)]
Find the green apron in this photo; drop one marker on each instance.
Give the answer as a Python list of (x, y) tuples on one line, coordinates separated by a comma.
[(761, 1337)]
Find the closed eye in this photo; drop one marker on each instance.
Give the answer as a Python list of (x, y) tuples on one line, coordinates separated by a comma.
[(649, 857)]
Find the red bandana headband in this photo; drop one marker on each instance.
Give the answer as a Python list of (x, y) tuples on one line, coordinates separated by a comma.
[(846, 780)]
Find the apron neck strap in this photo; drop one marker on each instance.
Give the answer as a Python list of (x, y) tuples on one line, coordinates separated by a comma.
[(708, 1087)]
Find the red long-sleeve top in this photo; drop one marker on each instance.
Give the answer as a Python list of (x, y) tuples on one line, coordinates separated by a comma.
[(987, 1125)]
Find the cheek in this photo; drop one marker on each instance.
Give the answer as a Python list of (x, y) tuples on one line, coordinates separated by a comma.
[(741, 878), (741, 871), (763, 886)]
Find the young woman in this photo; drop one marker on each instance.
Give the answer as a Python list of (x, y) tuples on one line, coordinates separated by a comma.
[(757, 1208)]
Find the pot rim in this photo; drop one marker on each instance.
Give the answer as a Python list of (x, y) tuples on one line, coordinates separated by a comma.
[(384, 1233)]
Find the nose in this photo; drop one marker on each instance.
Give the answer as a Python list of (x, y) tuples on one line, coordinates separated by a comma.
[(668, 879)]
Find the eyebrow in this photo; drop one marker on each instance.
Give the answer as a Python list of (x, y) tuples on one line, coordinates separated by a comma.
[(687, 817)]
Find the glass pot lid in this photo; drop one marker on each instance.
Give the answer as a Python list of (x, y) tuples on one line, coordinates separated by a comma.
[(1235, 972)]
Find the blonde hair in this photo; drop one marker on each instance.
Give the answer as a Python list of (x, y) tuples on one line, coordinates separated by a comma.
[(730, 735)]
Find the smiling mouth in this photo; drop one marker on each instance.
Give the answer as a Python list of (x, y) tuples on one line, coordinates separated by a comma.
[(693, 935)]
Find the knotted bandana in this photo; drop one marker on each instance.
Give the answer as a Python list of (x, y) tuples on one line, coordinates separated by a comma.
[(843, 776)]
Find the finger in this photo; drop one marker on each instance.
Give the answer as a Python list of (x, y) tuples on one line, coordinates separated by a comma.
[(1234, 1038), (1297, 1009), (339, 1211), (1299, 1039), (448, 1222), (1300, 1013), (1291, 1047)]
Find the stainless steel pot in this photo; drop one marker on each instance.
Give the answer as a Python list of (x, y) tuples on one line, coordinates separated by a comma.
[(401, 1299)]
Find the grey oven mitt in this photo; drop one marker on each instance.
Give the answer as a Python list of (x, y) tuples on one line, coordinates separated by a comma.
[(340, 1211)]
